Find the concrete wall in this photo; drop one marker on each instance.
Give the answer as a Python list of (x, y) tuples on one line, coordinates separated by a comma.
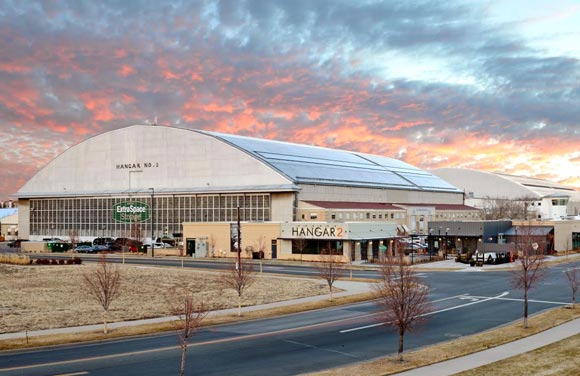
[(282, 210), (352, 194), (254, 236), (24, 219), (562, 231), (33, 247)]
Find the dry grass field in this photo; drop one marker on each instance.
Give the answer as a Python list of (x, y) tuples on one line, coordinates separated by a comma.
[(43, 297), (559, 359)]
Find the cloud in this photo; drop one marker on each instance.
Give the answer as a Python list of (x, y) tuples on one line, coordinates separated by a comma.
[(435, 83)]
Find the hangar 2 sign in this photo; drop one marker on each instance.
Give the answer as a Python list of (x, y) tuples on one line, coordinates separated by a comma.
[(131, 212)]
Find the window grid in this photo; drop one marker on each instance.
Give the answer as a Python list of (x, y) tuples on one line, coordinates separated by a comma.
[(94, 217)]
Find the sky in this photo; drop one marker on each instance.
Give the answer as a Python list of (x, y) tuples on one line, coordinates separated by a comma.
[(487, 85)]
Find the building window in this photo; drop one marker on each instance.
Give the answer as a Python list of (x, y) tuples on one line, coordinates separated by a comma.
[(94, 217), (316, 247)]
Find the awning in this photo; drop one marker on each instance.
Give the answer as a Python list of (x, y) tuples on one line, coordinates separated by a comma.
[(529, 230)]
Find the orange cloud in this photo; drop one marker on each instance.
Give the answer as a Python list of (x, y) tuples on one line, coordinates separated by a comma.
[(126, 70), (100, 106)]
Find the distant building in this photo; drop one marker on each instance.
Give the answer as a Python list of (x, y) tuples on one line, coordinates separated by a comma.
[(162, 181), (8, 224), (503, 196)]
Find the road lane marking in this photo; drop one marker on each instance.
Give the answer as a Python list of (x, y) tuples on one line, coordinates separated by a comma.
[(73, 374), (530, 301), (211, 342), (430, 313), (323, 349)]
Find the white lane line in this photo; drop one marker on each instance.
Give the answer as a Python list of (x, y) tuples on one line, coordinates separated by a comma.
[(430, 313), (529, 301), (73, 374), (320, 348)]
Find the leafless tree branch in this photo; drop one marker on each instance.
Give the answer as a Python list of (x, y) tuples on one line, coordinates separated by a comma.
[(239, 278), (191, 315), (401, 298), (330, 268), (530, 264), (103, 284), (572, 276)]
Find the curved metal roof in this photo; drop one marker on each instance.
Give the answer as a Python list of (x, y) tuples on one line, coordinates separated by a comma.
[(316, 165)]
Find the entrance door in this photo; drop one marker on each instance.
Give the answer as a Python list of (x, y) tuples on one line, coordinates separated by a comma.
[(274, 249), (190, 247), (364, 248)]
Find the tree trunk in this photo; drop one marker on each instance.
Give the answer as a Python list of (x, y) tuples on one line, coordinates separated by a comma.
[(400, 351), (331, 294), (239, 305), (183, 356), (525, 310), (105, 331)]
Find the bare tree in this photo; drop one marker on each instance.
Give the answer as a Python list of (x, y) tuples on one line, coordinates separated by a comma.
[(300, 244), (402, 300), (74, 239), (239, 277), (530, 265), (330, 268), (103, 284), (211, 241), (190, 314), (261, 249), (502, 208), (572, 275)]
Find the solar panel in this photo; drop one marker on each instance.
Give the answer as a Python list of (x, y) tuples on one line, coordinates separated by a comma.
[(317, 165)]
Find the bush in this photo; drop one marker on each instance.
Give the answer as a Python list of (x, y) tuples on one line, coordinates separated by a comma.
[(11, 258)]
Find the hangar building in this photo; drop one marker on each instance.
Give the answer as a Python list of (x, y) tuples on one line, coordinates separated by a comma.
[(540, 199), (150, 181)]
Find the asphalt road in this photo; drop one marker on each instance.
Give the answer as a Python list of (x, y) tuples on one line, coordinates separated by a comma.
[(267, 267), (463, 303)]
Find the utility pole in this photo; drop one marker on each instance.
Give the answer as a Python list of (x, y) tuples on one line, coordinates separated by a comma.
[(239, 241), (152, 222)]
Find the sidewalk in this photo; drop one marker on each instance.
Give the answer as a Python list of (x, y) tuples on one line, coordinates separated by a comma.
[(349, 287), (495, 354)]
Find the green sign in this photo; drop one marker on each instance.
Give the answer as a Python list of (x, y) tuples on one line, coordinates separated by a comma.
[(131, 212)]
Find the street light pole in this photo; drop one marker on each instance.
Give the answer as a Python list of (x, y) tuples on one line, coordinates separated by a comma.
[(239, 242), (152, 222)]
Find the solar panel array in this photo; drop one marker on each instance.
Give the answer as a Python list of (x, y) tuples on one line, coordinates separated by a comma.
[(316, 165)]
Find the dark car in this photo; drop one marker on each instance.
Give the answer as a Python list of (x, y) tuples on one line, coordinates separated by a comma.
[(16, 243), (104, 241)]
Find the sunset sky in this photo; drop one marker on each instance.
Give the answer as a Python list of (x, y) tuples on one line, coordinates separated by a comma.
[(489, 85)]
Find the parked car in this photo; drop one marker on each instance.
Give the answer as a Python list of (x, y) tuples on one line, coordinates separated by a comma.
[(53, 240), (159, 245), (104, 241), (84, 249), (16, 243), (101, 248)]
